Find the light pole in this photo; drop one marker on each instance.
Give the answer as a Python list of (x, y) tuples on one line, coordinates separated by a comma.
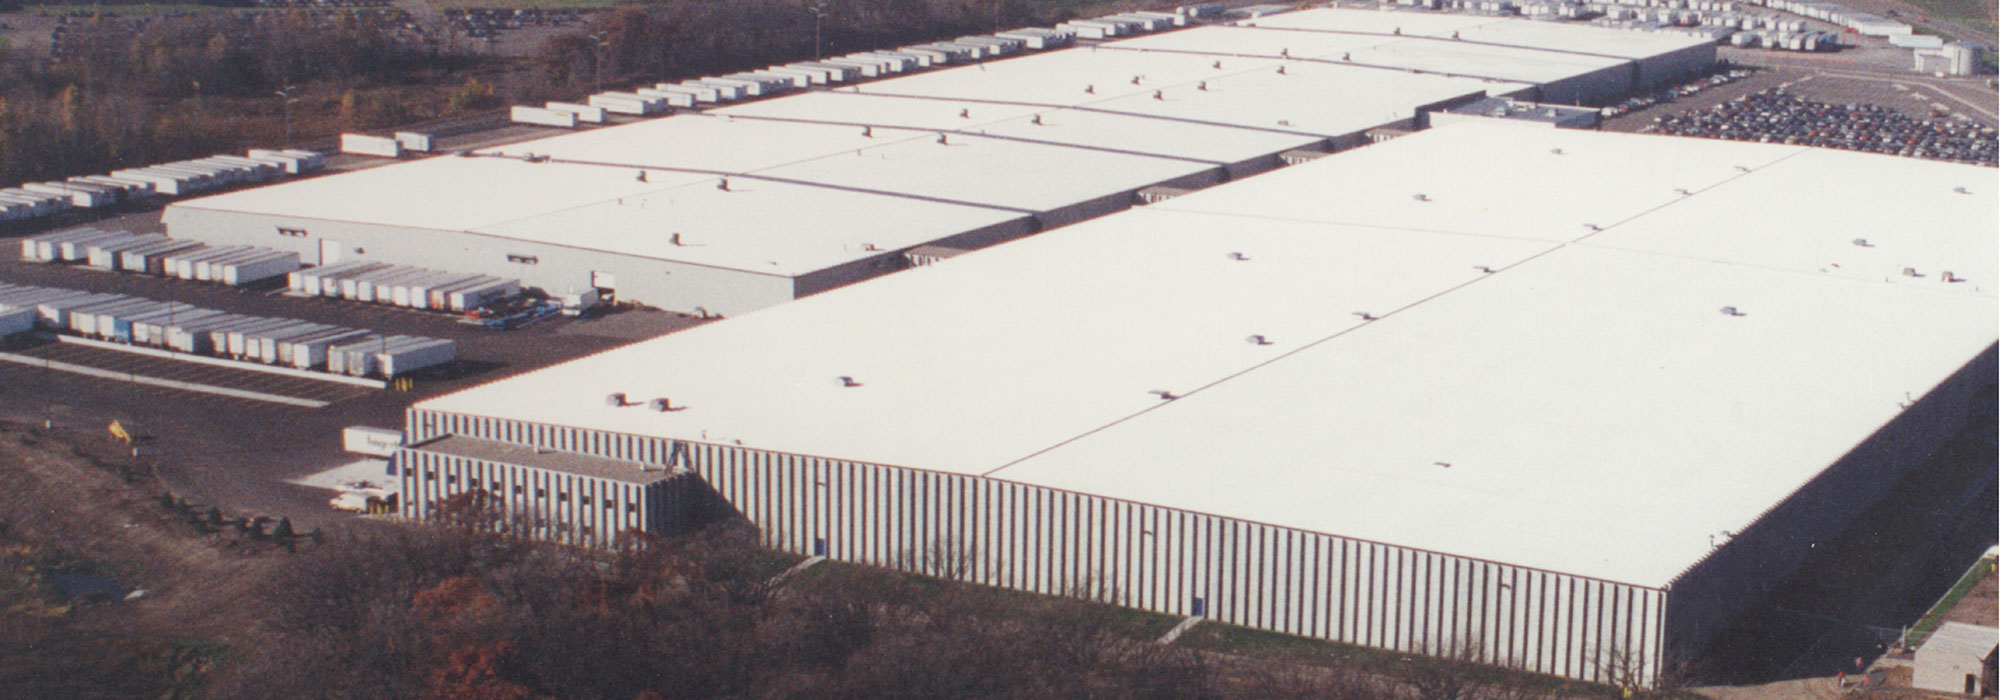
[(287, 94), (597, 46), (819, 14)]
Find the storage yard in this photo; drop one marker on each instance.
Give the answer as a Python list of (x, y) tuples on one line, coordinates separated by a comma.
[(726, 210), (1285, 468)]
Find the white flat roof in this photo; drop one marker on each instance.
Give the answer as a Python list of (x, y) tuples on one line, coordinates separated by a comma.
[(1557, 387), (1103, 131)]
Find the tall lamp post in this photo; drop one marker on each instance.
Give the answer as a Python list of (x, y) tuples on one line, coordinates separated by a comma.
[(819, 15), (289, 100)]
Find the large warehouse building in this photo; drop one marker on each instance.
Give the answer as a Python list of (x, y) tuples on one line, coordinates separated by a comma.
[(734, 209), (1571, 398)]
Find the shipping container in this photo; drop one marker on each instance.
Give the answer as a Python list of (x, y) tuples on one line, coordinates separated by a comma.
[(439, 298), (272, 264), (523, 114), (416, 294), (107, 255), (149, 259), (725, 91), (78, 249), (410, 358), (54, 308), (154, 331), (264, 346), (363, 144), (236, 342), (481, 295), (182, 265), (584, 113), (308, 353), (671, 97), (86, 319), (329, 282), (16, 321), (414, 141)]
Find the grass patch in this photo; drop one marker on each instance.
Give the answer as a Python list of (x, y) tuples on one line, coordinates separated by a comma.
[(1134, 624), (1933, 618)]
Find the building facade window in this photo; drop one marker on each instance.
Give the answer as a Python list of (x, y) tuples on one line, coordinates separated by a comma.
[(293, 232), (522, 259)]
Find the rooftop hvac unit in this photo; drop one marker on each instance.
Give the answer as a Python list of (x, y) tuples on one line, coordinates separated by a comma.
[(1258, 340), (1421, 197), (1365, 316), (1731, 311), (847, 381), (1238, 256), (1556, 151), (661, 405), (1163, 394), (1863, 242), (1961, 190), (615, 399), (1910, 272)]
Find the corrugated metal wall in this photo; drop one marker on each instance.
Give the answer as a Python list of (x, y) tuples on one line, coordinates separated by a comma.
[(555, 505), (1045, 540)]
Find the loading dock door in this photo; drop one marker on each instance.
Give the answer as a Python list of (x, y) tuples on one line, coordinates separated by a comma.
[(329, 252)]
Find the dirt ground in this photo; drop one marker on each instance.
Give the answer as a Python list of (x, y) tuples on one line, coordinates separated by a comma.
[(1979, 606), (82, 496)]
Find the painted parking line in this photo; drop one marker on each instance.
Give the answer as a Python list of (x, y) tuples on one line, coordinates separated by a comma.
[(156, 381)]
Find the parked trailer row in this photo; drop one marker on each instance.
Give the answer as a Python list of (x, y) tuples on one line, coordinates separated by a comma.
[(388, 356), (402, 285), (67, 245), (523, 114), (234, 265), (39, 199), (196, 330)]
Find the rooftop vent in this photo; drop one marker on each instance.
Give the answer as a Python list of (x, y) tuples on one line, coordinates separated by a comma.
[(1035, 120), (1163, 394), (1202, 86), (1911, 272), (1961, 190), (1238, 256), (847, 381), (1446, 465), (642, 176), (1346, 56), (1285, 52), (1281, 70), (1365, 316), (615, 399), (675, 239), (1949, 277), (1742, 169), (944, 140), (1258, 340), (722, 184), (1593, 227), (1421, 197), (1682, 191), (1483, 268), (965, 113), (1157, 95), (1137, 78), (661, 405), (1454, 35), (1090, 89), (868, 132), (1217, 66), (1863, 242), (1396, 32), (1556, 151), (1731, 311)]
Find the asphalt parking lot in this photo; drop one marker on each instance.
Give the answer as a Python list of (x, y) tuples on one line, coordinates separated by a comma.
[(239, 453)]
